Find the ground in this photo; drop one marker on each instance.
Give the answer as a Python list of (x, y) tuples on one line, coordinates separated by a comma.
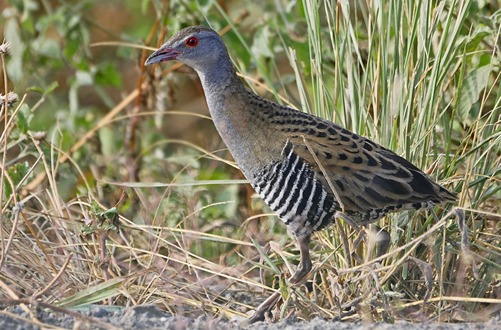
[(150, 317)]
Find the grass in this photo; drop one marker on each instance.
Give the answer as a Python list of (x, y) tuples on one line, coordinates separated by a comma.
[(109, 207)]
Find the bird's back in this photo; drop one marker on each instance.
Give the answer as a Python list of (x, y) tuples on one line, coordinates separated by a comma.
[(323, 168)]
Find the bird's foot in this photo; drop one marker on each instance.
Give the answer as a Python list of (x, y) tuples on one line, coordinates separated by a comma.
[(265, 308), (301, 272), (303, 269)]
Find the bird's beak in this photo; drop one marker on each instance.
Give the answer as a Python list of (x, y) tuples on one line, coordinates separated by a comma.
[(161, 55)]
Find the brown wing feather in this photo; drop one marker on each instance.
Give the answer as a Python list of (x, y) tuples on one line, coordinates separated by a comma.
[(365, 175)]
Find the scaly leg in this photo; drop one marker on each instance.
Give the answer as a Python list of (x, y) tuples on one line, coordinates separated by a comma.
[(304, 260), (303, 270)]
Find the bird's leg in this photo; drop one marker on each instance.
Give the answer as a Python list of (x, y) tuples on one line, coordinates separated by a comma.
[(303, 269), (304, 266), (379, 237)]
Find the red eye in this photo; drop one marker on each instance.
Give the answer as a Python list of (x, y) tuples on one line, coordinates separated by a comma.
[(191, 42)]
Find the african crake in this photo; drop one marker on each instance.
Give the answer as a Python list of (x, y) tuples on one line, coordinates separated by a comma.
[(307, 169)]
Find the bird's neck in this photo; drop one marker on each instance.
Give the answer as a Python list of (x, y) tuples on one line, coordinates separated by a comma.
[(219, 81), (234, 119), (222, 88)]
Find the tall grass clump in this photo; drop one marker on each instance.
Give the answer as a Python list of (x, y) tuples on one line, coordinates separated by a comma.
[(421, 78), (116, 189)]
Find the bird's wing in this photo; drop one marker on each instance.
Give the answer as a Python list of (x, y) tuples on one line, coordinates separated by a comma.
[(364, 176)]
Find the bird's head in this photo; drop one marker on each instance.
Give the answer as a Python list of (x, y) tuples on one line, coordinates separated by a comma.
[(195, 46)]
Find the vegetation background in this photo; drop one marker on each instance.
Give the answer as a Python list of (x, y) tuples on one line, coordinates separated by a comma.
[(116, 189)]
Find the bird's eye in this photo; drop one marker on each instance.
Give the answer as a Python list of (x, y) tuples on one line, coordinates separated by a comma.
[(191, 42)]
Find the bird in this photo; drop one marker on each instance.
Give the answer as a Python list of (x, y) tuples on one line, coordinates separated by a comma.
[(307, 169)]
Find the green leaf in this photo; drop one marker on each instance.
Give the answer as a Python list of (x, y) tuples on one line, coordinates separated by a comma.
[(108, 75), (93, 294), (47, 90), (72, 46), (108, 214), (51, 87), (24, 117), (16, 173), (46, 47), (107, 139), (261, 46), (474, 82), (15, 69), (478, 36), (239, 53)]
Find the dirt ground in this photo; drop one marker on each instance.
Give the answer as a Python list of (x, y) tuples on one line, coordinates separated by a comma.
[(150, 317)]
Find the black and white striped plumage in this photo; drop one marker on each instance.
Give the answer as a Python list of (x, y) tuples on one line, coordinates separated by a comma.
[(307, 169), (291, 190)]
